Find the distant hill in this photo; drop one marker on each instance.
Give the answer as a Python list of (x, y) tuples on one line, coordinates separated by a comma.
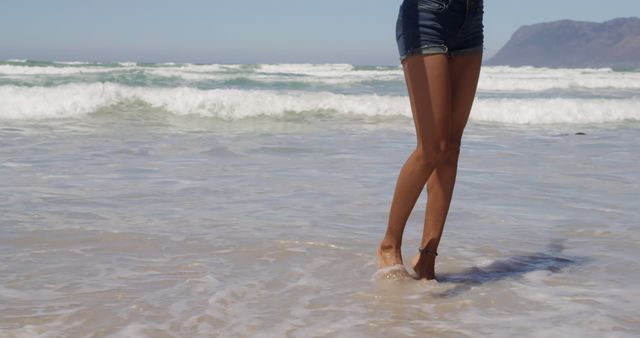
[(567, 43)]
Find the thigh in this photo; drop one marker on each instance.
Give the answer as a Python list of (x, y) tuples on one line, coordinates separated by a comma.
[(429, 85), (464, 70)]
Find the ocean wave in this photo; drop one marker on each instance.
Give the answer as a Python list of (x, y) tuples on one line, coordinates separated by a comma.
[(278, 73), (17, 60), (277, 77), (307, 68), (492, 78), (543, 70), (502, 78), (74, 63), (556, 111), (77, 100), (14, 70), (73, 100)]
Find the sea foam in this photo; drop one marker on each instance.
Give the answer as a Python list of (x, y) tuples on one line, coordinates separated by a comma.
[(513, 95), (73, 100), (492, 78), (78, 99)]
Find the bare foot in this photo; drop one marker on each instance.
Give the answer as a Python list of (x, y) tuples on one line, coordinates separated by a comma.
[(390, 262), (423, 264), (388, 256)]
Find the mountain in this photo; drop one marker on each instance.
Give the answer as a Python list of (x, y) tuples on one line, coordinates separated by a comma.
[(574, 44)]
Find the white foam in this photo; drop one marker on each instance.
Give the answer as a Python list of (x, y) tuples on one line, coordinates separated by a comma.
[(17, 60), (306, 73), (51, 102), (75, 99), (268, 77), (74, 62), (492, 78), (206, 68), (534, 70), (192, 75), (393, 272), (550, 111), (167, 64), (80, 99), (326, 73), (307, 68), (52, 70), (541, 79)]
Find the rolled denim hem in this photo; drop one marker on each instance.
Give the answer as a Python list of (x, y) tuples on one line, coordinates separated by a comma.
[(465, 51), (426, 50), (441, 49)]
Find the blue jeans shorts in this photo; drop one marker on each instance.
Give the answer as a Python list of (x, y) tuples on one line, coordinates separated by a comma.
[(452, 27)]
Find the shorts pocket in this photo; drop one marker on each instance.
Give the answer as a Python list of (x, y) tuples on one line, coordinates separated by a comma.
[(434, 5)]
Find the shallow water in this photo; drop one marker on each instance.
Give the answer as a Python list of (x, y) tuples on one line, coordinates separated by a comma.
[(180, 200), (188, 227)]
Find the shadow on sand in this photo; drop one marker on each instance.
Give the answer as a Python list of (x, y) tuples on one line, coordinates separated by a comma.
[(513, 267)]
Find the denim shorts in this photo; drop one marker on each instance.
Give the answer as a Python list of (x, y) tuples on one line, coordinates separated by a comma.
[(453, 27)]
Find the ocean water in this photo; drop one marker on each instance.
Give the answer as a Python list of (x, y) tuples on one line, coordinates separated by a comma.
[(182, 200)]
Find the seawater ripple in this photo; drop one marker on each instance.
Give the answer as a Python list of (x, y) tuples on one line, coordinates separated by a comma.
[(146, 230)]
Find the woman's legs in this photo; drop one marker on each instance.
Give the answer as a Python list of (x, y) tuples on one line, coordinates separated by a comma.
[(464, 71), (441, 91), (427, 78)]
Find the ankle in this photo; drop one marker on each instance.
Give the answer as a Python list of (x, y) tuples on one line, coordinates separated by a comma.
[(429, 245), (389, 246)]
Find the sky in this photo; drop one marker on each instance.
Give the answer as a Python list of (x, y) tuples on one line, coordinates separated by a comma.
[(360, 32)]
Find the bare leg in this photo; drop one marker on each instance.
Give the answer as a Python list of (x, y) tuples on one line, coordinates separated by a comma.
[(464, 71), (427, 78)]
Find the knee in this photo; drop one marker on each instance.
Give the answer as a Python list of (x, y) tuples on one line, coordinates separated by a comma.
[(453, 150), (430, 158), (444, 152)]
